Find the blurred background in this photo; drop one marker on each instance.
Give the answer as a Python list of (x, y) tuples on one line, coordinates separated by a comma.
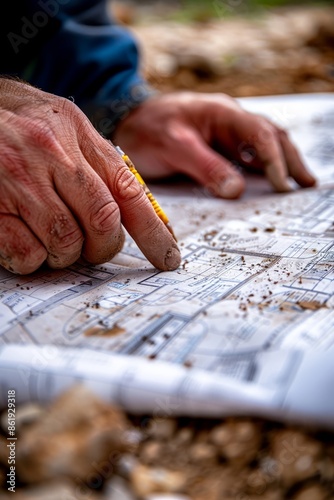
[(240, 47)]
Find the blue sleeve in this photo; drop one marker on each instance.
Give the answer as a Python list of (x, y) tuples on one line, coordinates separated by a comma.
[(85, 55)]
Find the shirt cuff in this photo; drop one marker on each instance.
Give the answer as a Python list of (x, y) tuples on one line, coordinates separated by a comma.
[(106, 116)]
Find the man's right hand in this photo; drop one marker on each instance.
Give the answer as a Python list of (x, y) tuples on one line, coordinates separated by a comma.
[(65, 192)]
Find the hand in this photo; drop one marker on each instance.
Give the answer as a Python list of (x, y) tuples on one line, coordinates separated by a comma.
[(65, 191), (200, 134)]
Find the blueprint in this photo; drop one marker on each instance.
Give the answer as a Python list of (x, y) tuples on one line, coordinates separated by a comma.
[(254, 293)]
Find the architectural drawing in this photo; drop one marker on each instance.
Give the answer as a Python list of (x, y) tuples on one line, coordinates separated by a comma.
[(257, 277)]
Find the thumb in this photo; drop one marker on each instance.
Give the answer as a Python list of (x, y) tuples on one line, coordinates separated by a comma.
[(199, 161)]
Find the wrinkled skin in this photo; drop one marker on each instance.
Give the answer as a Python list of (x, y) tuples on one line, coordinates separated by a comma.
[(65, 192)]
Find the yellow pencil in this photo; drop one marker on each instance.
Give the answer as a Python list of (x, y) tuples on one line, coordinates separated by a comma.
[(157, 208)]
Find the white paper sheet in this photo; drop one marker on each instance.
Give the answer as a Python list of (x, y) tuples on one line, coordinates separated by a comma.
[(244, 326)]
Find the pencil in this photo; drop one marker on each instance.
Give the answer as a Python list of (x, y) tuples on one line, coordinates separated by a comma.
[(157, 208)]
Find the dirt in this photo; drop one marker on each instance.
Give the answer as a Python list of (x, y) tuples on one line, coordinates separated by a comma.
[(278, 51), (80, 447)]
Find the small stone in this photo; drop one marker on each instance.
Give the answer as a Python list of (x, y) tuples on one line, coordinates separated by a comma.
[(257, 482), (161, 429), (220, 435), (297, 455), (215, 483), (147, 480), (202, 452), (184, 436), (133, 438), (78, 435), (150, 452), (237, 441)]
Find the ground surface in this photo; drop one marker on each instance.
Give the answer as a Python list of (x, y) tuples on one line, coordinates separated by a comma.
[(80, 448), (279, 51)]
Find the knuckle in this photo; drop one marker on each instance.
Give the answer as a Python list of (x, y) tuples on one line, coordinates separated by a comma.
[(264, 137), (105, 218), (282, 133), (96, 155), (64, 235), (127, 186), (22, 156), (178, 134), (12, 164), (42, 135)]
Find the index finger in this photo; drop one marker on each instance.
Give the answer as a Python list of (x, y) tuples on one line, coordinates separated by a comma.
[(142, 223), (137, 213)]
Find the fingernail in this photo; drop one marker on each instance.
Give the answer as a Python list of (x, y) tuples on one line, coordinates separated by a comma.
[(172, 259), (232, 187)]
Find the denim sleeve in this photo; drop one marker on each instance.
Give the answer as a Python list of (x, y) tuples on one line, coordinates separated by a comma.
[(74, 49)]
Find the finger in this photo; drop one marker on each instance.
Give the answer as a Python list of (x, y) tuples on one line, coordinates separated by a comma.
[(20, 251), (88, 197), (270, 156), (136, 211), (143, 224), (53, 225), (196, 159), (295, 165)]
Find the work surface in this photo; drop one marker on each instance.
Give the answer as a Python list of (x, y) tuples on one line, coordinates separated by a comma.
[(244, 327), (251, 306)]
